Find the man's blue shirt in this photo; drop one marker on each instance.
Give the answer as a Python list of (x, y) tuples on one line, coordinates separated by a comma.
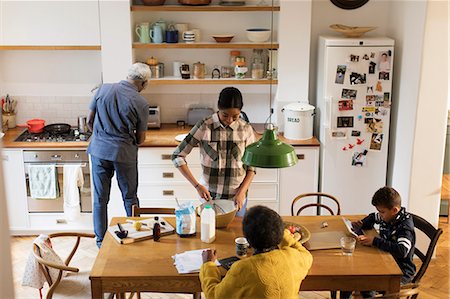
[(120, 112)]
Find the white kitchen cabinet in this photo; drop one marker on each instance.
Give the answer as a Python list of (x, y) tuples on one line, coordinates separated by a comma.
[(298, 179), (41, 23), (15, 189)]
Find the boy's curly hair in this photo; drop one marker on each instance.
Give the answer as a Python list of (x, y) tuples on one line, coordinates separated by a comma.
[(387, 197), (262, 227)]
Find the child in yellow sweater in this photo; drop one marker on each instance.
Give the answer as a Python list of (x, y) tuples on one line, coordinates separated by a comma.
[(275, 270)]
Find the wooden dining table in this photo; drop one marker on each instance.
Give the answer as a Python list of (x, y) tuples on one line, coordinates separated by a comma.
[(147, 266)]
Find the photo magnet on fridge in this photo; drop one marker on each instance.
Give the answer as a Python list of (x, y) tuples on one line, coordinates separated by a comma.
[(345, 121), (354, 58), (372, 66), (365, 57), (379, 86), (357, 78), (356, 133), (339, 134), (381, 111), (359, 158), (384, 64), (383, 76), (349, 94), (374, 125), (340, 74), (376, 141), (369, 89), (370, 100), (386, 96), (345, 105)]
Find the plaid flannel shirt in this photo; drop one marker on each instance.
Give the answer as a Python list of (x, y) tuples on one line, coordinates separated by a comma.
[(221, 151)]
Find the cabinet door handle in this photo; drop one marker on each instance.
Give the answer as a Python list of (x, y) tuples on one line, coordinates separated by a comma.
[(166, 157), (301, 156), (5, 158), (168, 192), (167, 175)]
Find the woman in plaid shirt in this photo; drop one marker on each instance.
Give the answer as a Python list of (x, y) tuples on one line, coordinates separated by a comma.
[(222, 139)]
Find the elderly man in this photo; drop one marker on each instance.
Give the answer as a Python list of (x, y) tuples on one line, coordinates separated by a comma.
[(118, 119)]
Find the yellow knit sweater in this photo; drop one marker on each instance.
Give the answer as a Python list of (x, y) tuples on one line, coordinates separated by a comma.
[(274, 274)]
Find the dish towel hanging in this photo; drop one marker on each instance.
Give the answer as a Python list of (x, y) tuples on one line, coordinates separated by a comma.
[(73, 180), (33, 275), (43, 181)]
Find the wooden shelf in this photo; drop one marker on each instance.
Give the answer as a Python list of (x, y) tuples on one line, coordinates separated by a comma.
[(174, 81), (206, 45), (188, 8), (30, 47)]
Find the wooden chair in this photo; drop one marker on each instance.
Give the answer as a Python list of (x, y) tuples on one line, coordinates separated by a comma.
[(318, 204), (137, 211), (45, 265)]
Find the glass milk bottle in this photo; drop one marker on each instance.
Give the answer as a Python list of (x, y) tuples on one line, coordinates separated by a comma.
[(208, 225)]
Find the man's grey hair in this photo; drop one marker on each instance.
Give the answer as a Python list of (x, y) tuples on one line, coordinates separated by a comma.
[(139, 71)]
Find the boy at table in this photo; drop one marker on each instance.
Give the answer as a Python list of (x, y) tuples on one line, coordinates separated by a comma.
[(397, 234), (275, 270)]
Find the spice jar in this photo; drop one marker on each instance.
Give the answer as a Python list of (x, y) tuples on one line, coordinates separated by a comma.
[(240, 68), (233, 56)]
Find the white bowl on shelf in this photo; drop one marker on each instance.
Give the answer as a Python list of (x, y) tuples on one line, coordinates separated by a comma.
[(258, 35)]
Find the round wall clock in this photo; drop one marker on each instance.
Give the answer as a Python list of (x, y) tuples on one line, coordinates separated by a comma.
[(349, 4)]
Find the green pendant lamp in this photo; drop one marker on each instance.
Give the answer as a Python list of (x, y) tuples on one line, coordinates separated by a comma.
[(270, 152)]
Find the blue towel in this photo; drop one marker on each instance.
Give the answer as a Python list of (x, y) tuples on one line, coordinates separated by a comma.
[(43, 181)]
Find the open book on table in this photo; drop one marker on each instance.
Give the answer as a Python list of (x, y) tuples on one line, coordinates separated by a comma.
[(145, 232), (355, 231)]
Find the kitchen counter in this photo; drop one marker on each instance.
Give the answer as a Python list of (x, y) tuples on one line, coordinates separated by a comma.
[(164, 137)]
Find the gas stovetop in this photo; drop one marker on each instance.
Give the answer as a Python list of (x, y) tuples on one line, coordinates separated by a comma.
[(73, 136)]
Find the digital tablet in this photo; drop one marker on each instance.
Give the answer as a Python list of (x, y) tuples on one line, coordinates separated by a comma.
[(351, 229)]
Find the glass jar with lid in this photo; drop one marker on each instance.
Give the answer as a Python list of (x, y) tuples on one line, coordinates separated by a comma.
[(240, 68), (233, 55)]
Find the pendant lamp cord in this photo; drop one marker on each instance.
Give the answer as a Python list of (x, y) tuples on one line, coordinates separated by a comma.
[(270, 64)]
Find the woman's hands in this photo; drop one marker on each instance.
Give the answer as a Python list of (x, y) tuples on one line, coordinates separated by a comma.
[(203, 192), (209, 255), (239, 199)]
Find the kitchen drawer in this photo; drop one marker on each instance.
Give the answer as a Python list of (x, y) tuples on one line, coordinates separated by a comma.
[(56, 221), (266, 175), (261, 190), (166, 192), (164, 174), (274, 205), (163, 156)]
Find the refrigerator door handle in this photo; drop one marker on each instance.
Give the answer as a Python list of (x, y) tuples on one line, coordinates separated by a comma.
[(328, 111)]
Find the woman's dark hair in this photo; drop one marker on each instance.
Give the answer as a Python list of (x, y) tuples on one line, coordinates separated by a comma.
[(387, 197), (262, 227), (230, 97)]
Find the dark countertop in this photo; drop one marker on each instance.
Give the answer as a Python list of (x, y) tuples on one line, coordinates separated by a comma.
[(164, 137)]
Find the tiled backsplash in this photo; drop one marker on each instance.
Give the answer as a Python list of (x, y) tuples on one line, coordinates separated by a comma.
[(173, 106), (55, 109)]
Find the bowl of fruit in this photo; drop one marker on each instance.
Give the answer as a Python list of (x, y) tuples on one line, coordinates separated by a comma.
[(298, 231)]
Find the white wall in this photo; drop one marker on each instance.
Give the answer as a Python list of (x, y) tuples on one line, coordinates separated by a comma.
[(430, 129), (6, 278), (406, 26)]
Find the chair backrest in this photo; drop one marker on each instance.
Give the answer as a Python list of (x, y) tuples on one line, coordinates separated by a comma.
[(431, 232), (138, 211), (318, 204)]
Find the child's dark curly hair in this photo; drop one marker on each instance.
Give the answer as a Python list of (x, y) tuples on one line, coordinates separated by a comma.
[(387, 197), (262, 227)]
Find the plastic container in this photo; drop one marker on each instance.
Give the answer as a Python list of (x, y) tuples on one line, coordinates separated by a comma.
[(208, 225), (185, 220), (298, 121)]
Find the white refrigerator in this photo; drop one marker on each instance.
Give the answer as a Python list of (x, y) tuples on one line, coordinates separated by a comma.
[(353, 110)]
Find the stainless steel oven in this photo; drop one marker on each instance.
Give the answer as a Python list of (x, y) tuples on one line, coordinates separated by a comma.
[(59, 159)]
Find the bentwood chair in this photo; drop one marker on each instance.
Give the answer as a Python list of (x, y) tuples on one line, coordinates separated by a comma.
[(45, 265), (318, 204)]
